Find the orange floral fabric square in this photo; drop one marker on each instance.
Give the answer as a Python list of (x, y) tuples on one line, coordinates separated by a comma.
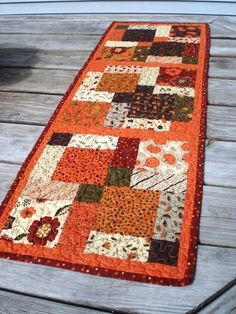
[(113, 185)]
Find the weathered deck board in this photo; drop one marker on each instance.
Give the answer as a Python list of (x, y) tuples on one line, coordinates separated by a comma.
[(219, 47), (220, 67), (221, 122), (225, 304), (218, 222), (30, 108), (97, 23), (7, 174), (220, 164), (13, 303), (46, 81), (122, 295), (218, 216)]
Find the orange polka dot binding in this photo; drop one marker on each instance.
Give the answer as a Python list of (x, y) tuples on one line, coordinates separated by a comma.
[(113, 185)]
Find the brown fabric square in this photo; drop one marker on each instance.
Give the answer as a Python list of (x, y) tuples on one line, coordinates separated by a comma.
[(127, 211), (139, 35), (118, 82), (167, 49), (164, 252)]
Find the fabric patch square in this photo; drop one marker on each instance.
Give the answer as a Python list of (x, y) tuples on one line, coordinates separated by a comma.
[(149, 76), (126, 211), (165, 157), (117, 53), (191, 50), (163, 31), (36, 222), (164, 252), (183, 109), (148, 106), (61, 139), (139, 35), (118, 245), (190, 60), (85, 113), (167, 49), (141, 53), (176, 77), (169, 216), (89, 193), (125, 153), (185, 31), (47, 162), (146, 124), (77, 165), (41, 189), (116, 115), (118, 82), (145, 106), (161, 167), (91, 141), (144, 89), (122, 97), (118, 177)]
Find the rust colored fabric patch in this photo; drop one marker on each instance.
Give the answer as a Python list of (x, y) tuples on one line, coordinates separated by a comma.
[(113, 186)]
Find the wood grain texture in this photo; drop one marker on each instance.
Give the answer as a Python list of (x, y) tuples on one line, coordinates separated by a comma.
[(84, 42), (8, 173), (225, 304), (47, 81), (221, 92), (220, 163), (221, 122), (221, 27), (220, 67), (27, 108), (13, 303), (218, 216), (122, 295)]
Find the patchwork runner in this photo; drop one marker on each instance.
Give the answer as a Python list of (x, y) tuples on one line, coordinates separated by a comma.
[(113, 185)]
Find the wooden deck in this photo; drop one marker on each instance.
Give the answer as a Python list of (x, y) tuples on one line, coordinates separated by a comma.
[(39, 56)]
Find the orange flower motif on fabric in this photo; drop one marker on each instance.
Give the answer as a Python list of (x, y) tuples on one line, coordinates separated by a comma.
[(43, 230), (152, 162), (153, 149), (106, 245), (173, 71), (170, 159), (28, 212)]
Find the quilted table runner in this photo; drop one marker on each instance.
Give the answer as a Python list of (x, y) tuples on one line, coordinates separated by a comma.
[(113, 185)]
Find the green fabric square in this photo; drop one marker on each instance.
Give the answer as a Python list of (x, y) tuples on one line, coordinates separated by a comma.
[(190, 60), (183, 109), (121, 26), (119, 176), (89, 193), (141, 53)]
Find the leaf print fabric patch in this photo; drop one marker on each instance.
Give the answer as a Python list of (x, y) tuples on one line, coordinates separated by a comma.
[(113, 186)]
